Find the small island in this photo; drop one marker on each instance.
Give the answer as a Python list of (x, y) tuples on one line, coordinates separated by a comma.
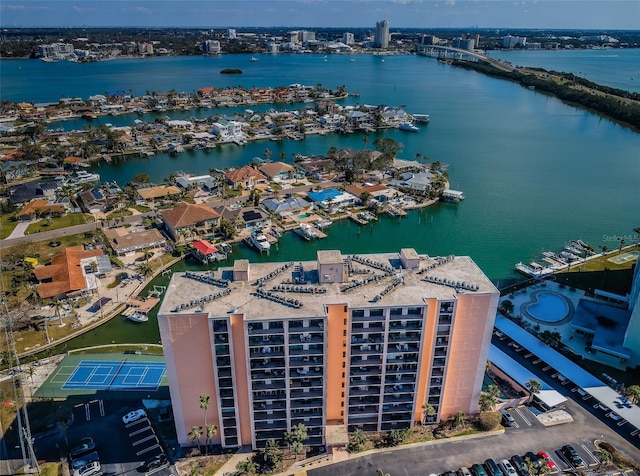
[(231, 71)]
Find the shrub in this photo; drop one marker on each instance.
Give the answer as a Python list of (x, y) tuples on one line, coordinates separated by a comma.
[(489, 420)]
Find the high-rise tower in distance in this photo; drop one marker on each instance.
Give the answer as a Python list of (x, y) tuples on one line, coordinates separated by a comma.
[(381, 37)]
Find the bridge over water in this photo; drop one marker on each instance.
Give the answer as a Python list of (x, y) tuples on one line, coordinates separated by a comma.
[(448, 52)]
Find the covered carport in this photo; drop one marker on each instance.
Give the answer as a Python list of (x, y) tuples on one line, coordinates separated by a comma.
[(573, 376), (547, 397)]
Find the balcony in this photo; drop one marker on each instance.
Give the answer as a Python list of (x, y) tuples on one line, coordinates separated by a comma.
[(370, 360), (306, 337), (364, 390), (221, 350), (306, 372), (266, 415), (223, 362), (397, 408), (267, 351), (440, 352), (264, 406), (262, 395), (306, 382), (364, 410), (266, 340), (355, 318), (308, 422), (307, 403), (362, 419), (397, 417), (228, 423), (365, 380), (306, 393), (398, 398), (403, 336), (267, 363), (365, 370), (305, 361), (364, 400), (220, 339), (271, 385), (306, 349), (364, 349), (306, 413), (256, 329)]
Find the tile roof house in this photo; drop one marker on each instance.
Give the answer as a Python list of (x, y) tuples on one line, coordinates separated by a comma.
[(123, 242), (276, 170), (187, 217), (39, 207), (64, 275), (157, 193), (246, 177)]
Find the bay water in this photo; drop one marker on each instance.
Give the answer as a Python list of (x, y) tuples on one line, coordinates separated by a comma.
[(535, 172)]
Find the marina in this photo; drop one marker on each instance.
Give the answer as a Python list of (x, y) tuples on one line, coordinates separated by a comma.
[(575, 252)]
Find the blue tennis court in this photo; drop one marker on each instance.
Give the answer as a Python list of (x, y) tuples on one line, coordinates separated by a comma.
[(109, 375)]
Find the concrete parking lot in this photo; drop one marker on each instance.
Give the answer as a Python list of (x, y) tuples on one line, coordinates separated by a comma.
[(122, 448)]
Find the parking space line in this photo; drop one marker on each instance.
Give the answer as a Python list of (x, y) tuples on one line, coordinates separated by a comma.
[(101, 405), (537, 361), (87, 412), (634, 432), (622, 422), (147, 438), (523, 417), (591, 455), (146, 450), (129, 425), (528, 355), (139, 431), (555, 375), (544, 369)]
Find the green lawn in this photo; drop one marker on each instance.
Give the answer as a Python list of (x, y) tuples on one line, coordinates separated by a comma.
[(70, 219), (7, 224)]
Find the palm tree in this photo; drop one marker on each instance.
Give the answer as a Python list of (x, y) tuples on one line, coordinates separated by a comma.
[(194, 436), (212, 430), (428, 412), (204, 404), (486, 402), (604, 249), (458, 419), (622, 242), (604, 456), (533, 386), (633, 392)]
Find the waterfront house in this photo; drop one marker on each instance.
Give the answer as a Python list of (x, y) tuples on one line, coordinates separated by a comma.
[(253, 217), (123, 242), (245, 177), (205, 182), (332, 199), (38, 208), (25, 192), (227, 131), (94, 200), (380, 193), (187, 218), (286, 205), (276, 170), (66, 275), (419, 182), (158, 193)]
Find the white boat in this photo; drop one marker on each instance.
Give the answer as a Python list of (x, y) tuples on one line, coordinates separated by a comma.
[(407, 126), (82, 176), (253, 59), (259, 241), (138, 317), (421, 117)]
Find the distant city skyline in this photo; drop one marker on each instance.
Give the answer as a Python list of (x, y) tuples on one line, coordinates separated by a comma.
[(544, 14)]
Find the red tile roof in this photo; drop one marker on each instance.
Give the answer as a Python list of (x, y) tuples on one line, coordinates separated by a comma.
[(64, 272), (204, 247), (187, 214), (241, 174)]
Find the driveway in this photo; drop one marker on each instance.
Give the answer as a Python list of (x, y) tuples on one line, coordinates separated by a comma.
[(20, 228)]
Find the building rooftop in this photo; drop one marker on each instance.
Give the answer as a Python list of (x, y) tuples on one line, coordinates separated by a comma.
[(293, 289)]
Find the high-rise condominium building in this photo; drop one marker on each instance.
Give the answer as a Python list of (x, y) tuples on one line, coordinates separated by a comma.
[(343, 342), (381, 37)]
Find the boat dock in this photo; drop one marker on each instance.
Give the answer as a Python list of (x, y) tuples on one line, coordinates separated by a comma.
[(576, 252), (309, 232), (395, 212), (142, 305)]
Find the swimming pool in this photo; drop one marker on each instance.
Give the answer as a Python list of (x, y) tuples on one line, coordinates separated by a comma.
[(548, 306)]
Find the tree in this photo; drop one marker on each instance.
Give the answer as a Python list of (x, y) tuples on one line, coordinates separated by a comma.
[(365, 197), (270, 456), (247, 466), (212, 430), (428, 412), (486, 402), (396, 436), (386, 145), (194, 436), (226, 229), (633, 392), (533, 386), (604, 456), (357, 441), (267, 154), (506, 307), (203, 402), (141, 178), (254, 197), (145, 269), (458, 419)]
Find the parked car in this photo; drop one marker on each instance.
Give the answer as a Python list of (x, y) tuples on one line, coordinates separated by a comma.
[(88, 469), (135, 415), (572, 455), (464, 471), (507, 468), (155, 462), (534, 458), (86, 445), (547, 459), (508, 419), (85, 460), (520, 465), (492, 468), (478, 470)]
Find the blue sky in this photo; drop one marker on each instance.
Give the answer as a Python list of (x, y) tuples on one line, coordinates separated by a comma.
[(572, 14)]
